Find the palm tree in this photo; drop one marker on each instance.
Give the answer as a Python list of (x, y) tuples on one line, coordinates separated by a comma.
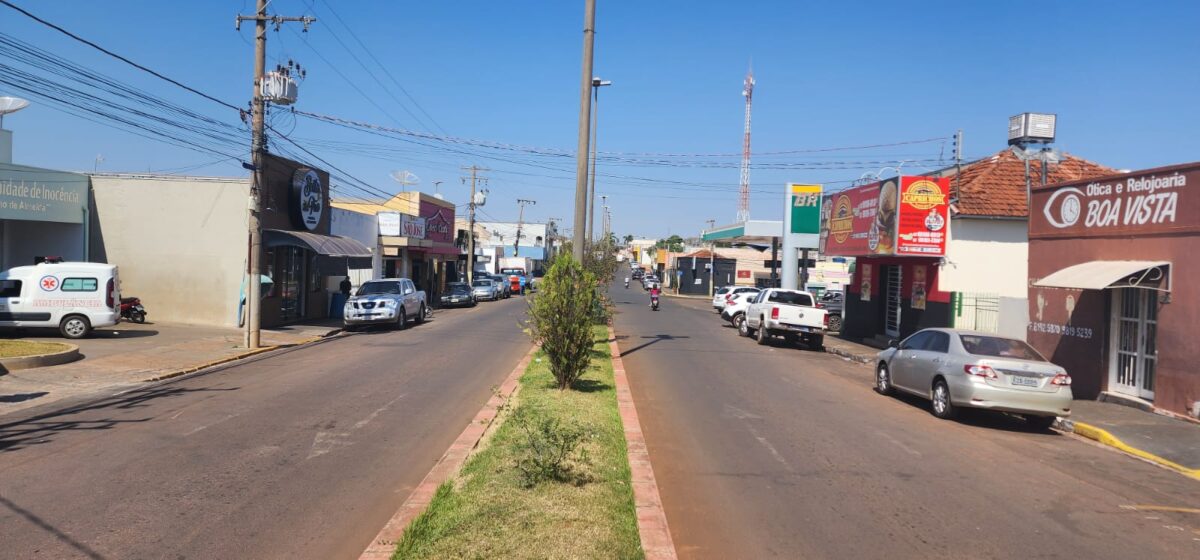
[(628, 239)]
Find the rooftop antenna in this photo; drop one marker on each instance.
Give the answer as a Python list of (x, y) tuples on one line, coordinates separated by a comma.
[(743, 213), (437, 192), (10, 105), (405, 178)]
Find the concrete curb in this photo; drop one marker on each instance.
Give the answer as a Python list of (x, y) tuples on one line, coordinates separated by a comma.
[(384, 543), (40, 360), (849, 355), (1103, 437), (652, 520), (228, 359)]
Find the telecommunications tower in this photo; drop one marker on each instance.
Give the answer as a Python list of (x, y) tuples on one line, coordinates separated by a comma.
[(743, 212)]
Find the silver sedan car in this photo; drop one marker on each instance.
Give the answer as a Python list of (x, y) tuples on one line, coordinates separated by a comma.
[(956, 368), (485, 290)]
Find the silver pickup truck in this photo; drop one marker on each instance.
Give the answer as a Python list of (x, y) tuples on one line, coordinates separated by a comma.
[(394, 301)]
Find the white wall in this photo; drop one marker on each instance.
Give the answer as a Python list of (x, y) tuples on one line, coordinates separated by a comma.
[(365, 229), (180, 243), (987, 256), (991, 257)]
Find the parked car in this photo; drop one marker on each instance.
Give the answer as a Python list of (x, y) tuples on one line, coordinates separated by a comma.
[(505, 288), (651, 281), (389, 301), (535, 279), (458, 294), (485, 289), (73, 297), (958, 368), (735, 308), (833, 303), (723, 296), (791, 313)]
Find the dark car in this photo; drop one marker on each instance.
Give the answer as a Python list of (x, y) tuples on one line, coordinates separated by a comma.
[(833, 303), (458, 294)]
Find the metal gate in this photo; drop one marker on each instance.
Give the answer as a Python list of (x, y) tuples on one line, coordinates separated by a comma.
[(1134, 353), (892, 283), (978, 312)]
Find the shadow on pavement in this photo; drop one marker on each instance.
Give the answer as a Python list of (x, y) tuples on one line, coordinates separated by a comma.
[(40, 429), (22, 397), (656, 338), (45, 526), (977, 418)]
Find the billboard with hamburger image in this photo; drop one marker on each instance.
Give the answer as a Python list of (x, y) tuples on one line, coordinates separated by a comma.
[(897, 216)]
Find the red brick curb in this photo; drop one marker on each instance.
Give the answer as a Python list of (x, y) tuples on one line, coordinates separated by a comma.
[(652, 520), (384, 544)]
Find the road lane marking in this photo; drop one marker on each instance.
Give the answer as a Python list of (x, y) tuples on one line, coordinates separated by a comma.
[(324, 442), (206, 426), (910, 450), (1161, 508), (740, 414), (371, 416), (774, 452)]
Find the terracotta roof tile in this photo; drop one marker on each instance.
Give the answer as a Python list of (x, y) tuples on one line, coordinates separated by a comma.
[(995, 186)]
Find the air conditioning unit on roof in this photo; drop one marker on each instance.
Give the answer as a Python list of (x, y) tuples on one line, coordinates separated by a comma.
[(1031, 127)]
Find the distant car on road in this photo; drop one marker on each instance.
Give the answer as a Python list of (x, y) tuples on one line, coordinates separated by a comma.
[(957, 368), (725, 294), (501, 281), (458, 294), (651, 281), (388, 301), (485, 289)]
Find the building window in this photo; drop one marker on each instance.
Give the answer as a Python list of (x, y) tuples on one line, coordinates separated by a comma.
[(537, 242), (314, 273), (78, 285), (268, 269)]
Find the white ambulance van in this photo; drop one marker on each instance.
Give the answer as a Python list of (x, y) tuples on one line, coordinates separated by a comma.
[(74, 297)]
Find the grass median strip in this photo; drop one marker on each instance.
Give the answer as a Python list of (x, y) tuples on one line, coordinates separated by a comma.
[(553, 482), (21, 348)]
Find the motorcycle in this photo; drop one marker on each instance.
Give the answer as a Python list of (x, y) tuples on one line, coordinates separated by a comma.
[(132, 309), (654, 303), (626, 284)]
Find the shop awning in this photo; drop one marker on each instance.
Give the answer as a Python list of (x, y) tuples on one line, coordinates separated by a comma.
[(328, 245), (1098, 275)]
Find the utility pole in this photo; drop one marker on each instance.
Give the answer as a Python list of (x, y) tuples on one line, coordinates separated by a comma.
[(258, 148), (520, 221), (471, 213), (581, 149), (712, 259), (603, 204)]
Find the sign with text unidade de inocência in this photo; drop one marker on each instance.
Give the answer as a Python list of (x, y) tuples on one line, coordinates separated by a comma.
[(39, 195)]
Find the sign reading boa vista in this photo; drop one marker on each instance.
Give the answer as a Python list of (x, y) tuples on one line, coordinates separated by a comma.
[(898, 216)]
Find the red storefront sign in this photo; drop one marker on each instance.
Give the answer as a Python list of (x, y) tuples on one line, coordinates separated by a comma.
[(899, 216), (924, 216), (439, 222)]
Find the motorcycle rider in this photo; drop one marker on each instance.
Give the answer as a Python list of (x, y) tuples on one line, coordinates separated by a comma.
[(627, 282), (655, 291)]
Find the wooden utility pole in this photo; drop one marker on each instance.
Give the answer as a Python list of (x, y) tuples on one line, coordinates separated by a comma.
[(585, 113), (471, 213), (258, 149)]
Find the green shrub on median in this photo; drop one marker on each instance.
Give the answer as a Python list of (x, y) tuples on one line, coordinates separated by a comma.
[(560, 318)]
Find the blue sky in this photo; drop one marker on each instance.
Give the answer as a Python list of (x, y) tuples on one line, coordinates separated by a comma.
[(1120, 75)]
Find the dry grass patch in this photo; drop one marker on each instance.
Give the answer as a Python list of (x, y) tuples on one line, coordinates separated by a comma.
[(21, 348), (583, 509)]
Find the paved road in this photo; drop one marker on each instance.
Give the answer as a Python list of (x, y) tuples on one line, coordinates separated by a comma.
[(778, 452), (304, 454)]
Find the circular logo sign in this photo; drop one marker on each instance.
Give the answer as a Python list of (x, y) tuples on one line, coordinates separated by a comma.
[(308, 198), (934, 221), (48, 283), (923, 195), (1069, 206), (841, 220)]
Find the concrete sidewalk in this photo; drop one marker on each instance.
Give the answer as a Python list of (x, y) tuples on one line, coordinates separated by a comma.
[(131, 354), (1167, 441)]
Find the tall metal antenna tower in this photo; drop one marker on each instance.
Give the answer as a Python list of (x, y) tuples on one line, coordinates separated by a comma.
[(743, 212)]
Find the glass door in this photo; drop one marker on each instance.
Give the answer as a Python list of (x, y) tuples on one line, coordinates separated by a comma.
[(291, 283), (1133, 349)]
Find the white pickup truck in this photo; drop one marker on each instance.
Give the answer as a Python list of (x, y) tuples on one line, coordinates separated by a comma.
[(789, 313)]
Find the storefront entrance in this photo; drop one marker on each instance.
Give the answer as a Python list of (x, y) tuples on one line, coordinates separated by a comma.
[(291, 283), (1134, 330), (893, 294)]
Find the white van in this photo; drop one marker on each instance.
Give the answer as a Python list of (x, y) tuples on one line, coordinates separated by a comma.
[(74, 297)]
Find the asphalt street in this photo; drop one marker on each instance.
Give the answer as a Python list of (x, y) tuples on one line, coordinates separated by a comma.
[(783, 452), (301, 454)]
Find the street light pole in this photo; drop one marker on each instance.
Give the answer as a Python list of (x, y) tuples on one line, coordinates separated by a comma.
[(581, 150), (597, 83)]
